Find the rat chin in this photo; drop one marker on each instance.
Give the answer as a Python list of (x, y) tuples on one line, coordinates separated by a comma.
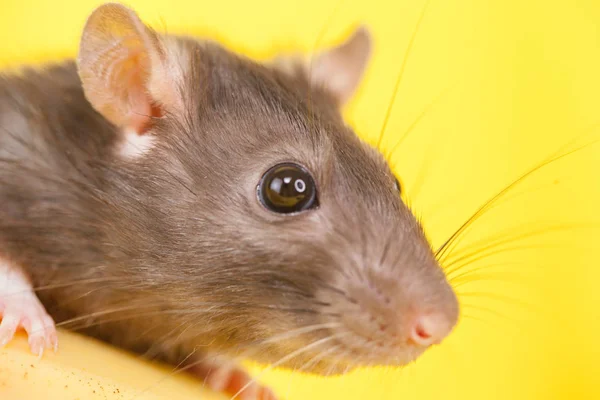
[(349, 361)]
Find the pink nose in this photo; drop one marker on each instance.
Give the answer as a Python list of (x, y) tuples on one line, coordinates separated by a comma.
[(430, 329)]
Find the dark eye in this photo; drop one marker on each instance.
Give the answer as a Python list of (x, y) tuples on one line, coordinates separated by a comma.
[(287, 188), (397, 185)]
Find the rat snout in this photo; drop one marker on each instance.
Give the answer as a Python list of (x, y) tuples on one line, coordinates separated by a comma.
[(390, 314), (386, 294)]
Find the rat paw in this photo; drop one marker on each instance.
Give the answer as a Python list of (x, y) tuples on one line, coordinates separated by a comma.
[(20, 308), (222, 376)]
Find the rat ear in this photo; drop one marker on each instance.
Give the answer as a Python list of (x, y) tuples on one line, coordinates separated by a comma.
[(341, 68), (125, 70)]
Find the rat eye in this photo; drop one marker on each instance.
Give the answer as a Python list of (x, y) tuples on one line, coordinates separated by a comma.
[(397, 185), (287, 188)]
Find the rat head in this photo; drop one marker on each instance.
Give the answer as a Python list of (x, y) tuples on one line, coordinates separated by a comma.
[(245, 190)]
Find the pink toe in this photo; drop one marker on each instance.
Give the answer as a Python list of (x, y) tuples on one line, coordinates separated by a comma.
[(53, 340), (37, 344), (218, 379), (8, 327), (250, 393)]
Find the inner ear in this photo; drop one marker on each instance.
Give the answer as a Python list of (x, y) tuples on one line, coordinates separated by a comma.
[(120, 62), (340, 69)]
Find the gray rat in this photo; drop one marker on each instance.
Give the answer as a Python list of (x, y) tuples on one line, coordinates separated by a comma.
[(189, 204)]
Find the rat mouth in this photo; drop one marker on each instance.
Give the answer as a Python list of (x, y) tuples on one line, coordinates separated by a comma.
[(379, 354), (329, 354)]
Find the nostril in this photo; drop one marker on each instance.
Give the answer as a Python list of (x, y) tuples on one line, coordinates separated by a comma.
[(429, 329), (421, 333)]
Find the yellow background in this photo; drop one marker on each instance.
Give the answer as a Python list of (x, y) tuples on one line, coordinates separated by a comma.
[(524, 83)]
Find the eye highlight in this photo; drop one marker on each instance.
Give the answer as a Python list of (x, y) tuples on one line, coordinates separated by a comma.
[(287, 188)]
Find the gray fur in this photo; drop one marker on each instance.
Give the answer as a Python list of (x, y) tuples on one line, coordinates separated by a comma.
[(177, 236)]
